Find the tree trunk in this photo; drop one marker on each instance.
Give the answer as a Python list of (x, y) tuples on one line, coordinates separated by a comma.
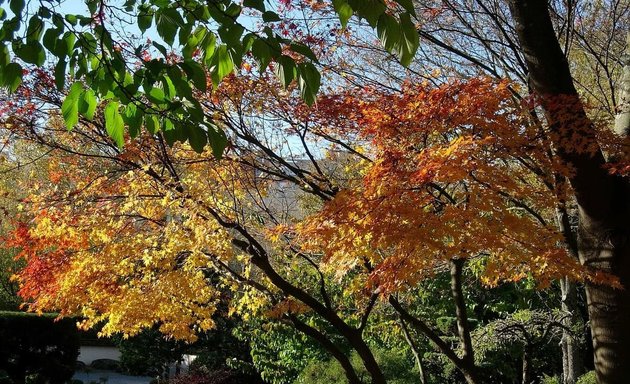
[(414, 350), (526, 372), (337, 354), (602, 199), (622, 120), (469, 371), (352, 335), (572, 361), (463, 328)]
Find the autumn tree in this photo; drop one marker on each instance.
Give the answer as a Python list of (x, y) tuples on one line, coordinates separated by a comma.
[(575, 151), (168, 219)]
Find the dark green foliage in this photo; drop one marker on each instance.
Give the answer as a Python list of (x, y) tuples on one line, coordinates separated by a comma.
[(221, 376), (9, 299), (90, 338), (37, 347), (398, 369), (148, 353), (106, 364), (220, 349), (279, 352)]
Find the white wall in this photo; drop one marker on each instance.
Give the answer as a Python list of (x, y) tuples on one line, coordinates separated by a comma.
[(89, 354)]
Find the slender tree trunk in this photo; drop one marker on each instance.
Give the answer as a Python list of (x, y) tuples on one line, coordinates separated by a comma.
[(337, 354), (622, 120), (463, 328), (469, 372), (527, 375), (352, 335), (572, 359), (414, 350), (603, 199)]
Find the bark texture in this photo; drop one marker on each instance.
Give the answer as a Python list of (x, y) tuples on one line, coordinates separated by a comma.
[(572, 356), (602, 199)]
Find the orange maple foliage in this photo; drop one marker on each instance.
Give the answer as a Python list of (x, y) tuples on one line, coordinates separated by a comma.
[(459, 171)]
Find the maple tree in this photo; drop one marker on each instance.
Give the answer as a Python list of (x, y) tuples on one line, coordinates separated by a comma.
[(567, 144), (168, 219)]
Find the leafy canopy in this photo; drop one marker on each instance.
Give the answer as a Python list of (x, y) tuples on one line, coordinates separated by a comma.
[(153, 84)]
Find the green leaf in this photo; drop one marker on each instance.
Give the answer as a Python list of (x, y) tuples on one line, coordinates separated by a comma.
[(223, 64), (168, 22), (170, 134), (255, 4), (72, 19), (70, 106), (133, 117), (303, 50), (5, 58), (11, 76), (309, 81), (145, 19), (344, 11), (270, 17), (410, 40), (87, 104), (151, 123), (262, 53), (193, 41), (208, 45), (43, 12), (218, 141), (156, 95), (60, 74), (370, 10), (408, 6), (285, 70), (32, 52), (231, 34), (197, 137), (181, 85), (195, 73), (388, 32), (160, 48), (35, 29), (233, 11), (17, 6), (169, 88), (114, 124), (50, 39)]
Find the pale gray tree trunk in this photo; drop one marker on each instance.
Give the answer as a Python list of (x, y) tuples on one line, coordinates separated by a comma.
[(622, 120)]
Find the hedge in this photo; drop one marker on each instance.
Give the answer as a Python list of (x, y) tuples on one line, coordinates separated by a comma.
[(38, 346)]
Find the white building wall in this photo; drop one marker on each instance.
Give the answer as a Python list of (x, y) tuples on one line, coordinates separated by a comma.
[(88, 354)]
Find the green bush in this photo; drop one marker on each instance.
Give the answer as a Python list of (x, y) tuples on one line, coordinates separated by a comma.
[(37, 348), (550, 380), (398, 369), (588, 378)]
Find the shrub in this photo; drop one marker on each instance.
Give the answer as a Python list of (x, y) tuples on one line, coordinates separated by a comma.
[(588, 378), (37, 348), (398, 369), (106, 364), (221, 376), (550, 380)]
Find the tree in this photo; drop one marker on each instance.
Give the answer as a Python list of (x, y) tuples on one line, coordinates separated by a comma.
[(166, 229), (602, 197), (145, 85), (546, 82)]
